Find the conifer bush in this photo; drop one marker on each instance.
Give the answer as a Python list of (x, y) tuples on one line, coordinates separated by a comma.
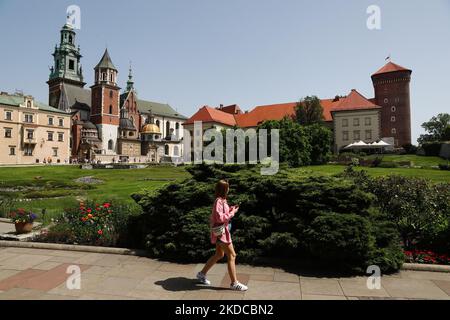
[(318, 219)]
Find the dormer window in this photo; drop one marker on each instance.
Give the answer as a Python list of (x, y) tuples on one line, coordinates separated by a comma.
[(28, 104)]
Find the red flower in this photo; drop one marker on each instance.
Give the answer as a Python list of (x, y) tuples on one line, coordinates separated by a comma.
[(106, 205), (100, 232), (89, 210)]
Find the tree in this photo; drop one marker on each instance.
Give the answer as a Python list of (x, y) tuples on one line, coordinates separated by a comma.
[(320, 138), (295, 147), (309, 111), (438, 129)]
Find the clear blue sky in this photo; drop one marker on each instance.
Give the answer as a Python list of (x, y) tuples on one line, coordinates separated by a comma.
[(251, 52)]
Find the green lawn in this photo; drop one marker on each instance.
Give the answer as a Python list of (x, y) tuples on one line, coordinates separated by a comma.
[(117, 185), (420, 161), (432, 174), (120, 184)]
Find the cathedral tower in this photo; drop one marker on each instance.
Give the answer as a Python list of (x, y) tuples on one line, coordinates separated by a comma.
[(105, 103), (391, 84), (67, 68)]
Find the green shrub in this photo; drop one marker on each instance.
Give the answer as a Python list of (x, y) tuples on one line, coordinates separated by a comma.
[(278, 216), (432, 148)]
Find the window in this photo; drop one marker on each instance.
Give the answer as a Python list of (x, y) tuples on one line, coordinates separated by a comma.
[(104, 77), (175, 151), (111, 79), (166, 150), (8, 133), (368, 134), (167, 128), (28, 104), (368, 121), (157, 123), (397, 100), (356, 135), (28, 151), (71, 64), (356, 122), (345, 135), (29, 118), (30, 134), (111, 92), (12, 151), (386, 100), (110, 109), (61, 122), (60, 137), (345, 122), (393, 109), (110, 145), (50, 121), (394, 131), (393, 119), (55, 152), (70, 39), (50, 136), (8, 115)]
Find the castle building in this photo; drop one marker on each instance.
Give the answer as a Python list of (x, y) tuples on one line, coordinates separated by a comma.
[(110, 125), (32, 132), (352, 118)]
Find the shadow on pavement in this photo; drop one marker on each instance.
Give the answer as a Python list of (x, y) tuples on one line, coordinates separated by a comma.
[(184, 284)]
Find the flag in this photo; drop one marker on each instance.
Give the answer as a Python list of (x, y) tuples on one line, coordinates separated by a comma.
[(388, 58)]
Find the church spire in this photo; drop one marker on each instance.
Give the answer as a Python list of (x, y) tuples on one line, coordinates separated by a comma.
[(130, 82)]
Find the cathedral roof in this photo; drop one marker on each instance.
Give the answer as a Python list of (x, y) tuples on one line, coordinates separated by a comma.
[(76, 96), (106, 62), (158, 109), (126, 124)]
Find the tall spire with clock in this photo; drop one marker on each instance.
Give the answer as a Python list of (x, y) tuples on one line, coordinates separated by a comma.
[(67, 67)]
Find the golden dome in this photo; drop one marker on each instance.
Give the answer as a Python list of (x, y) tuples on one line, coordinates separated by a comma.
[(151, 129)]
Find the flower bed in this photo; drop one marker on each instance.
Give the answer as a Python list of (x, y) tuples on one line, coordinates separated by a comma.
[(426, 257), (100, 224)]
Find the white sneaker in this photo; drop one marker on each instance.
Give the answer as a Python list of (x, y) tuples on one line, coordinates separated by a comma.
[(238, 286), (202, 278)]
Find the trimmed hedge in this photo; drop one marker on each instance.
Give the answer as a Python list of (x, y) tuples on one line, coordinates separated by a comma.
[(323, 220)]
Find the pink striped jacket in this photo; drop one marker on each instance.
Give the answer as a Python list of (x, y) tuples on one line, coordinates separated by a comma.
[(221, 214)]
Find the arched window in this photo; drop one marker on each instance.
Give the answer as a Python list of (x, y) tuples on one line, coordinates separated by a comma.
[(166, 149), (167, 128), (111, 77), (157, 123), (70, 39), (111, 93), (104, 76), (110, 145)]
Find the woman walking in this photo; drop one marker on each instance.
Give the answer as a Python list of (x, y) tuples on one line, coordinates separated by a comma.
[(220, 236)]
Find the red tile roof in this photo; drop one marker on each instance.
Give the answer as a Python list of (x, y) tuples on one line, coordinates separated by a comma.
[(233, 109), (390, 67), (355, 101), (208, 114)]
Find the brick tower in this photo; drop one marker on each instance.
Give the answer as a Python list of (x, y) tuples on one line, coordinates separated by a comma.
[(391, 84), (105, 104)]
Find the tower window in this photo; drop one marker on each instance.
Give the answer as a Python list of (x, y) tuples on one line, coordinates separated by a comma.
[(110, 109), (70, 39), (111, 78), (111, 94), (393, 109), (110, 145), (386, 100), (393, 119), (71, 64), (394, 131), (104, 78)]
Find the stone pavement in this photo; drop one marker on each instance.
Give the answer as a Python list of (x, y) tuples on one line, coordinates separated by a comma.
[(42, 274)]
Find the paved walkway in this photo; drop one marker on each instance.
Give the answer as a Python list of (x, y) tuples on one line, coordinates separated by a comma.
[(41, 274)]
